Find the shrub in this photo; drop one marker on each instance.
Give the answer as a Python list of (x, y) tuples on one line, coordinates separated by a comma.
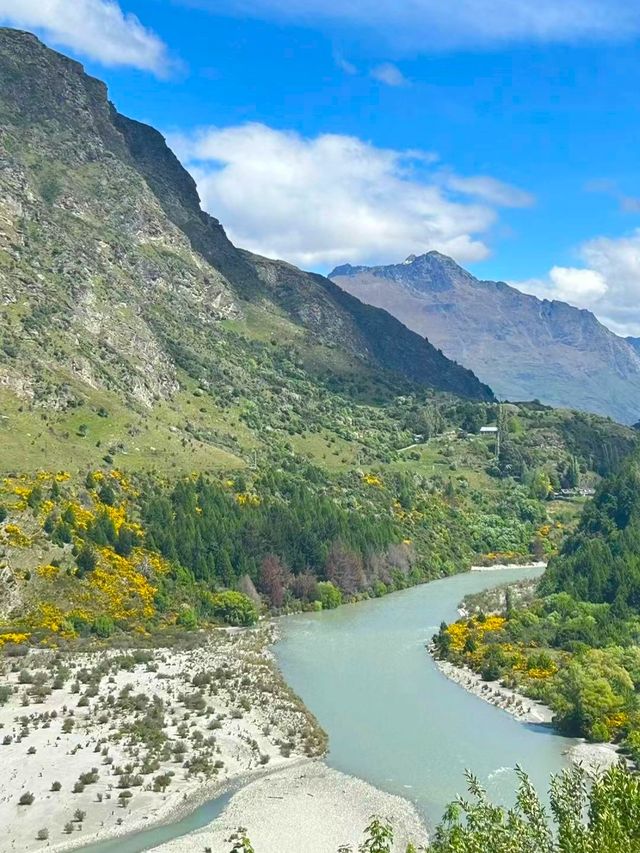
[(86, 560), (188, 619), (234, 608), (26, 799), (329, 595), (103, 626), (124, 797)]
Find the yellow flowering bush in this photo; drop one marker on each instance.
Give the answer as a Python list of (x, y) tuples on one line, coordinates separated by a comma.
[(491, 623), (13, 536), (618, 721), (460, 631), (83, 517), (117, 514), (50, 477), (540, 673), (124, 483), (48, 616), (48, 572), (248, 499), (124, 591), (13, 637), (149, 561), (372, 480)]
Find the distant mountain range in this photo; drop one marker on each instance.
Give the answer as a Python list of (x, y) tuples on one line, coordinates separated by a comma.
[(523, 347)]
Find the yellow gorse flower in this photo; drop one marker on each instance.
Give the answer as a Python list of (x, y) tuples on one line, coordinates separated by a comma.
[(371, 480), (13, 637)]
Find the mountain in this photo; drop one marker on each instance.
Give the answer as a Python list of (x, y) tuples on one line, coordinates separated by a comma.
[(524, 347), (175, 411), (114, 282)]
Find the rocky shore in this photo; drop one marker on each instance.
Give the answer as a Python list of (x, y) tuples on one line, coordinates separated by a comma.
[(104, 743), (592, 756), (307, 807), (523, 709), (496, 567)]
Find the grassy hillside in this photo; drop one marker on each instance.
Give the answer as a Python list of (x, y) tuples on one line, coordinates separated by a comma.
[(97, 548)]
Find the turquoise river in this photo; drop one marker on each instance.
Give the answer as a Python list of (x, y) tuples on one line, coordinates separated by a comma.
[(392, 718)]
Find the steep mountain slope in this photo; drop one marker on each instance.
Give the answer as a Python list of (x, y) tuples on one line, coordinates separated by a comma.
[(522, 346), (113, 280)]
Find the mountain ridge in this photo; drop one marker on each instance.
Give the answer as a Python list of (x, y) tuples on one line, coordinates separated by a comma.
[(104, 248), (524, 347)]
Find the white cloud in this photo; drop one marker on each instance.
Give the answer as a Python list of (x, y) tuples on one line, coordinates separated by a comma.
[(98, 29), (568, 284), (491, 190), (627, 203), (389, 74), (344, 65), (329, 199), (608, 284), (427, 24)]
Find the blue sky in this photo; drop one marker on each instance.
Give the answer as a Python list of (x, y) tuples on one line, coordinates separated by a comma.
[(504, 133)]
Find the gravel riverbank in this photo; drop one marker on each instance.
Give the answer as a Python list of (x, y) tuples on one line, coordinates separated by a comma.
[(592, 756), (497, 567), (101, 744), (308, 807)]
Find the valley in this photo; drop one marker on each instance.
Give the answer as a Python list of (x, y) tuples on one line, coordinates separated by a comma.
[(239, 505)]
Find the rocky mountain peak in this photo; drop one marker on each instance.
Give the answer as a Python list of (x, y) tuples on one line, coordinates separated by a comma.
[(522, 346)]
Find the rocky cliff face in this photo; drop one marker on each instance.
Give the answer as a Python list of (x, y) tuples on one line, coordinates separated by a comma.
[(110, 270), (86, 249), (522, 346)]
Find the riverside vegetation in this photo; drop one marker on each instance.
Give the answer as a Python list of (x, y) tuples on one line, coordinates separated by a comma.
[(574, 644), (90, 554)]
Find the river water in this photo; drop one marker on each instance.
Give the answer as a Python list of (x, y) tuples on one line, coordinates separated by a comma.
[(392, 718)]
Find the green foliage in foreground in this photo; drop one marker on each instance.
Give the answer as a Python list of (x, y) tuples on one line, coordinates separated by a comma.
[(603, 817), (585, 816)]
